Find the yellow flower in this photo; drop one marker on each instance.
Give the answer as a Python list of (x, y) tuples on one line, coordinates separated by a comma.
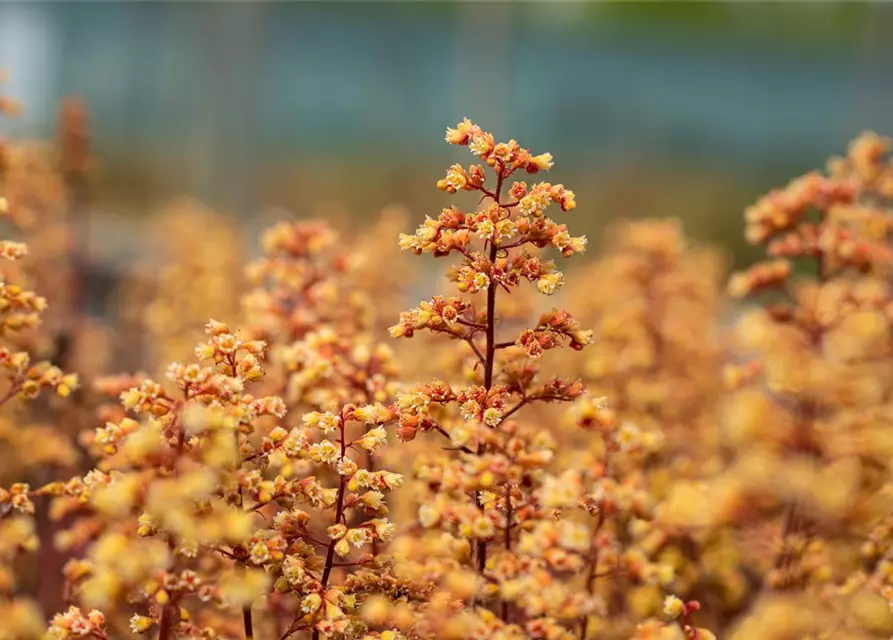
[(673, 607), (549, 283), (311, 603), (140, 624)]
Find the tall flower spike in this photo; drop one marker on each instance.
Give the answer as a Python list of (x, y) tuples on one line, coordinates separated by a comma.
[(31, 443), (489, 488)]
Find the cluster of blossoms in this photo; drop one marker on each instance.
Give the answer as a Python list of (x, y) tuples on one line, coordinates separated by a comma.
[(200, 504), (640, 490), (338, 387), (45, 187), (297, 282), (807, 396), (521, 544), (21, 311), (377, 268), (656, 355), (26, 451), (655, 350), (157, 310)]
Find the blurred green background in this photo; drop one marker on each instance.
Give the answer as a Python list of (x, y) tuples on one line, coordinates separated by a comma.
[(651, 109)]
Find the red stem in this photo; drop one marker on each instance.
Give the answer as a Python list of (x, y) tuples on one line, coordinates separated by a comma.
[(167, 623), (339, 512), (490, 353), (593, 567), (508, 539)]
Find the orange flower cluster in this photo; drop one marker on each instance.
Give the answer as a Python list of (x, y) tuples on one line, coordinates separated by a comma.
[(801, 425), (525, 536), (161, 314), (705, 467), (24, 448)]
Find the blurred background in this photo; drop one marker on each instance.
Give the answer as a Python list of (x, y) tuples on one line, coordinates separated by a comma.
[(338, 109)]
